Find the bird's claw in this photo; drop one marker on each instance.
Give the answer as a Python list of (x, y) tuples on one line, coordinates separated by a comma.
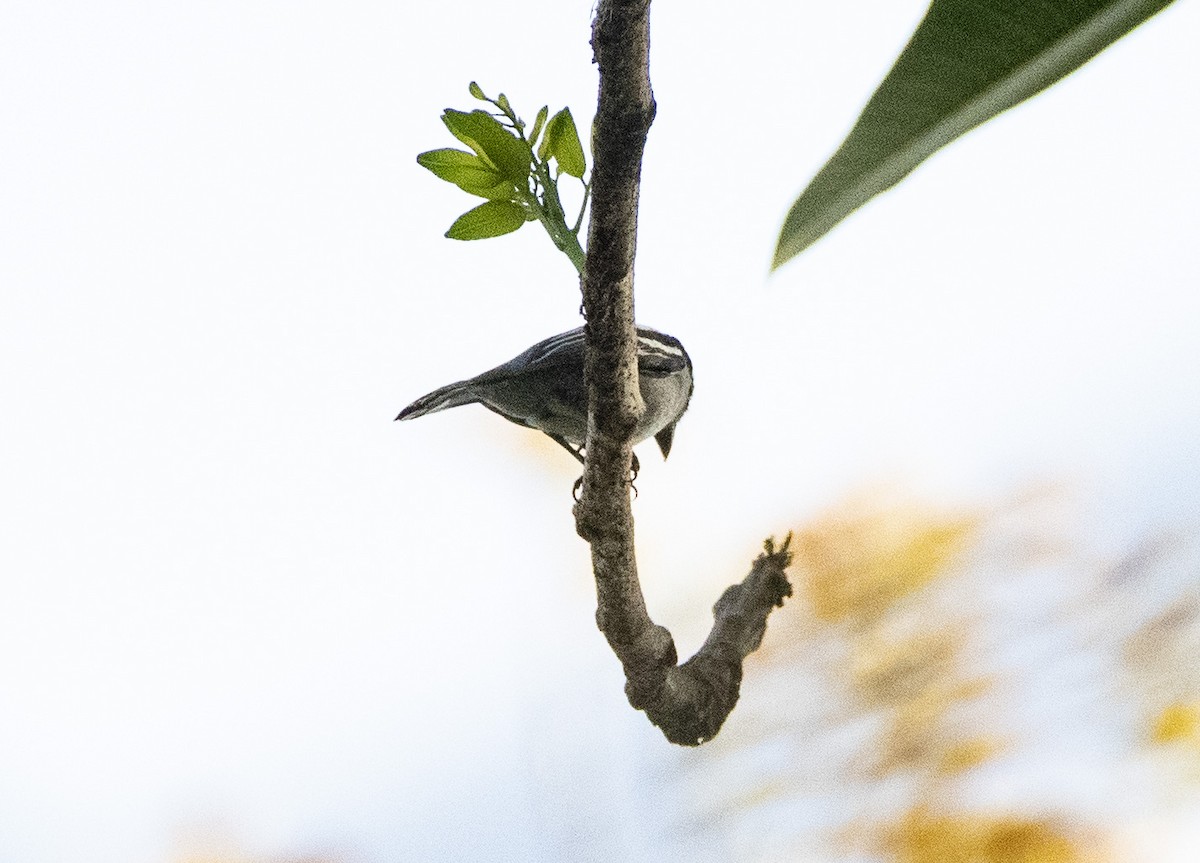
[(634, 468)]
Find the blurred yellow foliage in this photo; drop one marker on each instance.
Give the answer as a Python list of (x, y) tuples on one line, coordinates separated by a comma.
[(965, 754), (889, 671), (920, 668), (1177, 722), (918, 738), (858, 565), (924, 837)]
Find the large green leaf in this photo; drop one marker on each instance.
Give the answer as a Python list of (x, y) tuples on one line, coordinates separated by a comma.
[(482, 132), (489, 219), (968, 61), (468, 172), (562, 142)]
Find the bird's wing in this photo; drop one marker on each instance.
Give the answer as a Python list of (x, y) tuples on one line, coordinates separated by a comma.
[(659, 355), (565, 349)]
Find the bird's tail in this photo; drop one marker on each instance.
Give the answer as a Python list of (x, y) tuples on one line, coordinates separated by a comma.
[(449, 396)]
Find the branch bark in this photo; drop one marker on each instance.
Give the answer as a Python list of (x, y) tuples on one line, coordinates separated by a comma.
[(688, 702)]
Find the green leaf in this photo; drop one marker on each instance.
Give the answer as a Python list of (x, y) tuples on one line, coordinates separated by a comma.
[(468, 172), (502, 150), (968, 61), (562, 142), (490, 219), (543, 150), (537, 125), (476, 91)]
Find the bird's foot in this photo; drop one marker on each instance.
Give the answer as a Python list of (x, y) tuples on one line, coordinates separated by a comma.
[(634, 468)]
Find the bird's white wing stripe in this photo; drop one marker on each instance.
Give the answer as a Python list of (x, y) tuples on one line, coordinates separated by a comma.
[(646, 345), (554, 344), (654, 345)]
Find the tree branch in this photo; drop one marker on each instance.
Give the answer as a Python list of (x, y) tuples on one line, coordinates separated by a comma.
[(688, 702)]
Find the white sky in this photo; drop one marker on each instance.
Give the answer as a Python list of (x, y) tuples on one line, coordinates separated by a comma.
[(235, 594)]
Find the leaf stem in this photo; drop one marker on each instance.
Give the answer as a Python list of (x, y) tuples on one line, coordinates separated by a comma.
[(587, 191), (549, 212)]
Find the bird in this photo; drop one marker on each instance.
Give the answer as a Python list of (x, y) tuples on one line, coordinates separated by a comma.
[(543, 388)]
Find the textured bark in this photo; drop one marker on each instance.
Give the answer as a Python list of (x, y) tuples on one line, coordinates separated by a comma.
[(688, 702)]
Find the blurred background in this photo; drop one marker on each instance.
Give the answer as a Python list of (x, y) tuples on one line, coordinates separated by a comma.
[(245, 617)]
